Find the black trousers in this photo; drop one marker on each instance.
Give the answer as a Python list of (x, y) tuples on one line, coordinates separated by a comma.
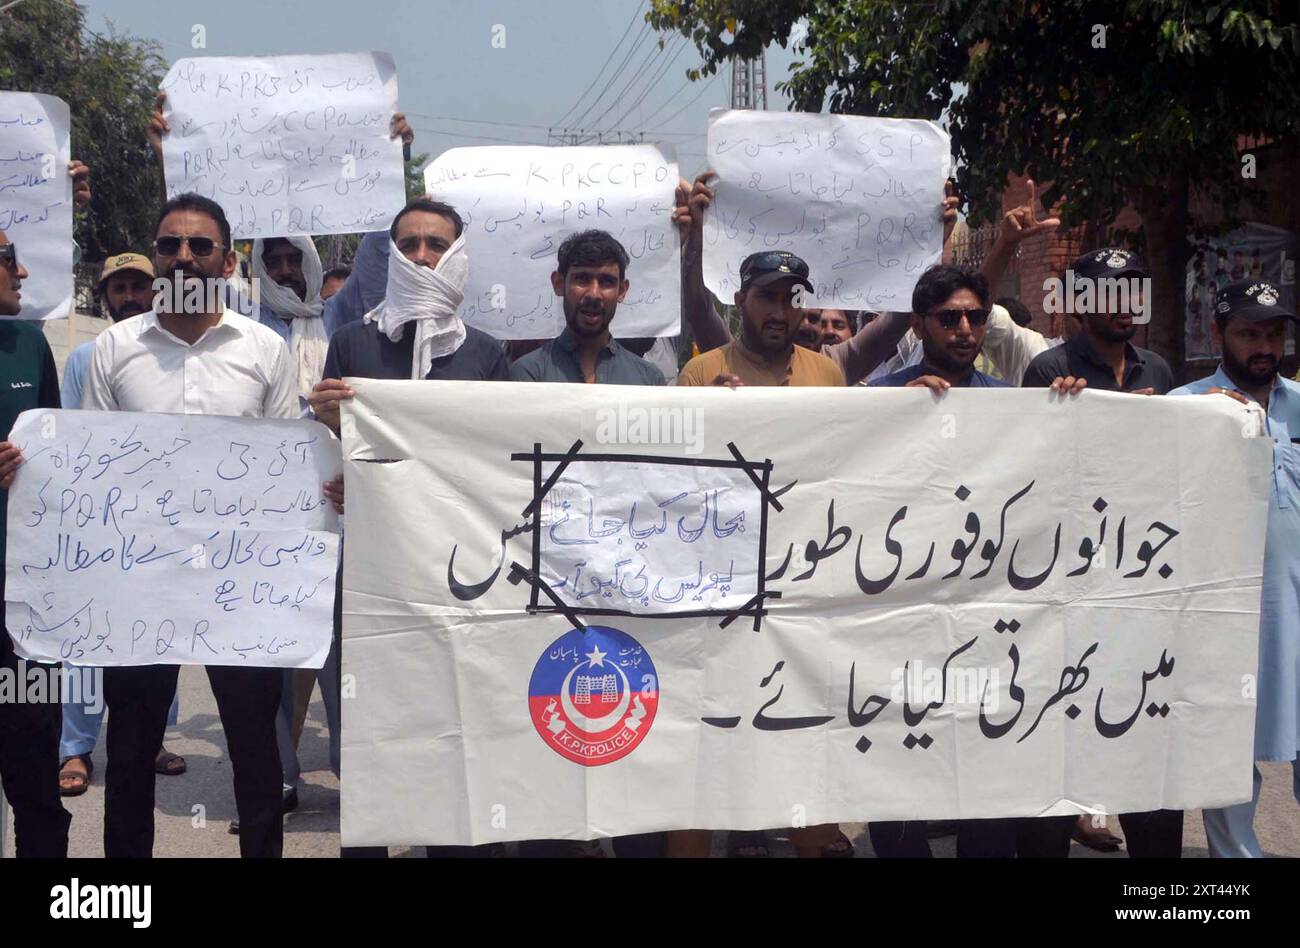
[(1045, 837), (247, 700), (1153, 834), (29, 764)]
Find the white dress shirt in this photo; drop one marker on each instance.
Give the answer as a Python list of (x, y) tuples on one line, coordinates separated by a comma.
[(238, 367)]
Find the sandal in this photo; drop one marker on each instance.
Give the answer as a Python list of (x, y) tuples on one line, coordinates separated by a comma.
[(747, 844), (842, 848), (1095, 837), (72, 783), (169, 764)]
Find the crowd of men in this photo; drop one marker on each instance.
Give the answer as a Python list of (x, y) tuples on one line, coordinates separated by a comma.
[(286, 350)]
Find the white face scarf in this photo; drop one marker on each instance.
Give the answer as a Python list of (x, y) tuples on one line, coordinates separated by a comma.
[(308, 341), (427, 297)]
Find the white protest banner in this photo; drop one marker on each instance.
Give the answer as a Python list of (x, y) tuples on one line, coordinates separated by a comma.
[(858, 198), (287, 144), (993, 604), (36, 199), (520, 202), (138, 539)]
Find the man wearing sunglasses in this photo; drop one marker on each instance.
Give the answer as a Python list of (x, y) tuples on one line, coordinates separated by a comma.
[(126, 290), (950, 310), (211, 362), (29, 731)]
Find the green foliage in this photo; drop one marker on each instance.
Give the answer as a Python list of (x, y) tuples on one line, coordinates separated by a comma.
[(1028, 88), (109, 83), (1115, 102)]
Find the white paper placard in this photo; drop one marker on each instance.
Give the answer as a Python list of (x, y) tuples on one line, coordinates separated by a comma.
[(287, 144)]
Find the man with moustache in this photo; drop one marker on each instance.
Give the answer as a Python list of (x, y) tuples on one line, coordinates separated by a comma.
[(591, 278), (1250, 328), (765, 353), (1100, 356), (126, 289), (217, 362), (950, 309)]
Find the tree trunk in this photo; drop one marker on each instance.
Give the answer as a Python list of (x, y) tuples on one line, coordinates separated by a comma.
[(1164, 212)]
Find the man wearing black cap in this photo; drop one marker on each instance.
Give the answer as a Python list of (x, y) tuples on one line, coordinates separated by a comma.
[(1105, 289), (765, 353), (1250, 329)]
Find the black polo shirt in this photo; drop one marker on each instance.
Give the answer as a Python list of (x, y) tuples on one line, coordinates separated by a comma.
[(28, 379), (1076, 357), (360, 350)]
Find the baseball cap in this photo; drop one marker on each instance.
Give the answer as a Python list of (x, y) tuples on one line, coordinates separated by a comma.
[(768, 266), (1251, 299), (126, 261), (1110, 262)]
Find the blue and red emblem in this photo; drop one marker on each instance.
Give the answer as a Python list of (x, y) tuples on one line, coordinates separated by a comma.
[(593, 695)]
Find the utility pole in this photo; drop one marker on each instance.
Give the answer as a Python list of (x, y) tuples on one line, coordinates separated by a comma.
[(749, 83)]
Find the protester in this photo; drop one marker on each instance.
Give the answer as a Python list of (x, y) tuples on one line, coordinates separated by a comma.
[(836, 326), (211, 362), (414, 333), (766, 354), (288, 279), (1250, 329), (1100, 356), (29, 730), (126, 288), (873, 343), (591, 278), (333, 281)]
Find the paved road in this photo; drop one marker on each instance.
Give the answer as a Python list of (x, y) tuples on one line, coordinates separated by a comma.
[(194, 809)]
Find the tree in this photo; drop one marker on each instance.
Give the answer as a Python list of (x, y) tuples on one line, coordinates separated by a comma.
[(1138, 102), (109, 83)]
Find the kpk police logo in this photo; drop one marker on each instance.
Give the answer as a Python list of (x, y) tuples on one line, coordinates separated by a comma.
[(593, 695)]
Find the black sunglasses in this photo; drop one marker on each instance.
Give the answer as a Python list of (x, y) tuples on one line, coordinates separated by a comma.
[(170, 245), (774, 260), (951, 318), (9, 256)]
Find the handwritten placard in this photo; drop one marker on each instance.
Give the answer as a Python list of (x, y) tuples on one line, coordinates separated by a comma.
[(287, 144), (140, 539), (690, 543), (858, 198), (36, 199), (520, 202)]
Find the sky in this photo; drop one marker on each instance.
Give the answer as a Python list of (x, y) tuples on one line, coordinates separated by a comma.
[(456, 88)]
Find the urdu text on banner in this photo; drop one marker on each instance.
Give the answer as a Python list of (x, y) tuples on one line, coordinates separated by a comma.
[(614, 613)]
